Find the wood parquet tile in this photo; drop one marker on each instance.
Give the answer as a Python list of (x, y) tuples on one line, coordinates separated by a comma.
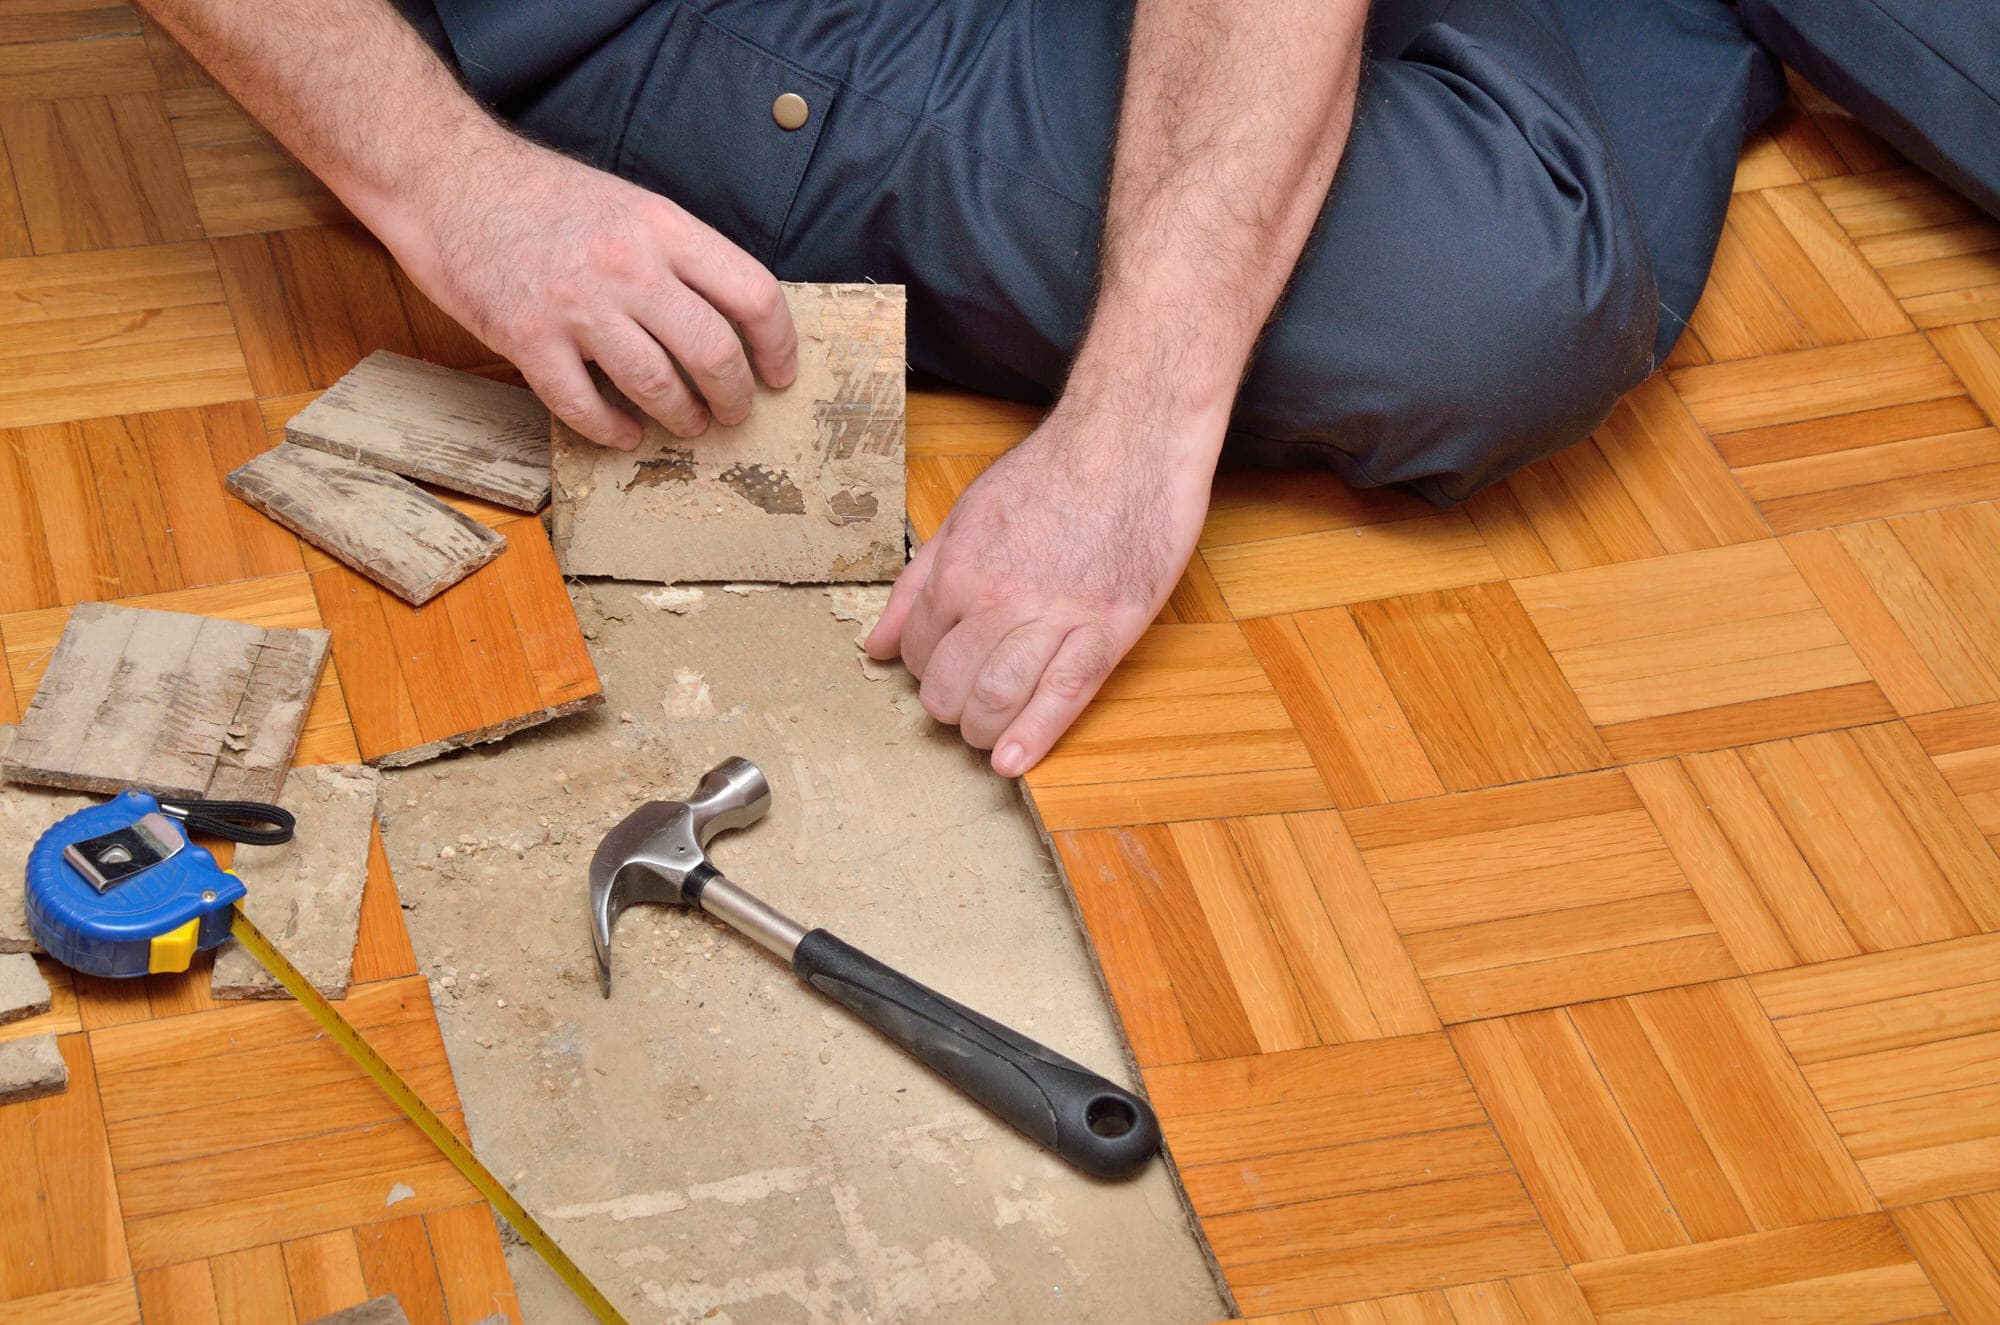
[(1578, 905)]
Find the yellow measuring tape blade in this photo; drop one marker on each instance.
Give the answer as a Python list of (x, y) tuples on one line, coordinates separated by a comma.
[(421, 1114)]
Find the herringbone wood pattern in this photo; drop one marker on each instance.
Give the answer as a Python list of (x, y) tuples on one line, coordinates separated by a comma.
[(1579, 905)]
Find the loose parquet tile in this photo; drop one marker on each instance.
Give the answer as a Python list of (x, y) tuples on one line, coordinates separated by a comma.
[(324, 1272), (510, 623), (1815, 383), (98, 172), (396, 1260), (472, 1268), (1661, 1120), (1700, 650), (1537, 895), (1845, 1272), (1353, 1211), (1900, 1049)]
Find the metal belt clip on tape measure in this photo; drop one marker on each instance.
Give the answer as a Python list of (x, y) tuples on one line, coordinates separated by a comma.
[(118, 890)]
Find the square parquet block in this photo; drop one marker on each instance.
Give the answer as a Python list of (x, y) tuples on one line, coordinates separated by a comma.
[(1787, 277), (1537, 895), (1919, 598), (1645, 484), (1938, 254), (1903, 1051), (1958, 1242), (237, 1127), (1700, 650), (1188, 727), (1844, 1272), (1225, 937), (1965, 746), (1481, 691), (1344, 1173), (115, 331), (510, 624), (1825, 846), (98, 172), (243, 182), (1652, 1122), (111, 508)]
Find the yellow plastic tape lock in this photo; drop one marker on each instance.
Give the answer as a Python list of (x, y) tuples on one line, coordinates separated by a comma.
[(173, 950)]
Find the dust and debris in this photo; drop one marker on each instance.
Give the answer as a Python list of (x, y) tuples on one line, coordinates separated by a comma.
[(744, 590), (402, 1191), (718, 1141), (675, 598)]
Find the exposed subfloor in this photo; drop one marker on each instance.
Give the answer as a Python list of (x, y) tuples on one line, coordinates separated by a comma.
[(715, 1141)]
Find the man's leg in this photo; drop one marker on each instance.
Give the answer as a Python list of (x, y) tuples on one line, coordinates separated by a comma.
[(1478, 294)]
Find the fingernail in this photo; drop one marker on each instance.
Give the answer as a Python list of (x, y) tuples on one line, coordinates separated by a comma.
[(1007, 760)]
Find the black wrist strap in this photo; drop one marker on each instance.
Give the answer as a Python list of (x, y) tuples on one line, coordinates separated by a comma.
[(252, 823)]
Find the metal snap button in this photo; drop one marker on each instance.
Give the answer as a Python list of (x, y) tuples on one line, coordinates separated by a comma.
[(790, 111)]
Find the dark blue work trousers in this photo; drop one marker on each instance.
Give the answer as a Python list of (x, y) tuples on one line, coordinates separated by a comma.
[(1525, 214)]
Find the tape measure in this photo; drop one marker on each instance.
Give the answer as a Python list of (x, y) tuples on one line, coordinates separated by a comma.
[(118, 890)]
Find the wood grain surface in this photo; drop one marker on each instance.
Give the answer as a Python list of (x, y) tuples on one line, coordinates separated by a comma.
[(1578, 905)]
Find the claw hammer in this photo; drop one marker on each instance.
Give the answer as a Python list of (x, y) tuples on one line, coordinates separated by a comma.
[(659, 853)]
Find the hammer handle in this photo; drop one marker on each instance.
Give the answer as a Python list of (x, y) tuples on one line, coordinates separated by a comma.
[(1093, 1124)]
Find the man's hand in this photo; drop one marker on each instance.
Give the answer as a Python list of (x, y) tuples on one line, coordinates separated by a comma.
[(1054, 561), (553, 263), (1046, 572), (547, 260)]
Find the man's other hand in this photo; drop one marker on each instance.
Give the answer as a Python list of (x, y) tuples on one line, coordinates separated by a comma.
[(553, 263), (1046, 572)]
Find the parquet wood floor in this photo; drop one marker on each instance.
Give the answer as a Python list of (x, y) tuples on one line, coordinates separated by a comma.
[(1579, 905)]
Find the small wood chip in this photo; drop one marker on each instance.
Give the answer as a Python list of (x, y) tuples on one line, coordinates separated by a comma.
[(385, 527), (435, 425)]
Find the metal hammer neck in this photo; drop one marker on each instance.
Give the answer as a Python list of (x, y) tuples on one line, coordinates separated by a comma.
[(772, 930)]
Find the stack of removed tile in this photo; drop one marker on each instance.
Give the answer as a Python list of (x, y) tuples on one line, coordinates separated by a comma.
[(340, 480)]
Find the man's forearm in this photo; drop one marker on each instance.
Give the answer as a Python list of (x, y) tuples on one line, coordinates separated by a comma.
[(346, 85), (1233, 121)]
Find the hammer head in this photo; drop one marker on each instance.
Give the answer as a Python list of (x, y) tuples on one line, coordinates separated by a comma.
[(656, 849)]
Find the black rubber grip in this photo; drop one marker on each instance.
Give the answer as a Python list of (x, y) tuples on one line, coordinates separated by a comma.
[(1100, 1128)]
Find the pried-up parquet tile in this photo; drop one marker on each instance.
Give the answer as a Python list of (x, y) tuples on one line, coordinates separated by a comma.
[(1537, 895), (1700, 650), (1342, 1173), (1902, 1049)]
